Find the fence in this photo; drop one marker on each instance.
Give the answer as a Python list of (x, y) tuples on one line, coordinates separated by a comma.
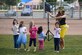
[(72, 12)]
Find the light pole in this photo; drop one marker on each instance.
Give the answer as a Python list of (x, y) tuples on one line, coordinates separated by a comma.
[(44, 9)]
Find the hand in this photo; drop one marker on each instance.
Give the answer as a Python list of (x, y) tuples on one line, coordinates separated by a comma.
[(24, 32), (47, 12)]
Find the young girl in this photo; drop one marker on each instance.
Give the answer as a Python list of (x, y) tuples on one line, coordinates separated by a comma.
[(57, 37), (22, 39), (41, 37), (15, 32), (33, 31)]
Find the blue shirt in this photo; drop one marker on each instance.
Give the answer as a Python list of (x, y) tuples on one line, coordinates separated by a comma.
[(41, 36)]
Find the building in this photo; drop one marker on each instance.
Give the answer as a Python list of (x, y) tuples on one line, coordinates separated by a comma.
[(34, 3)]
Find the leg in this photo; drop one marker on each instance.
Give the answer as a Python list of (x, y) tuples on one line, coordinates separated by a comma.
[(39, 44), (24, 41), (14, 36), (34, 40), (55, 44), (24, 47), (42, 44), (58, 43), (30, 43), (62, 35), (62, 43), (16, 41)]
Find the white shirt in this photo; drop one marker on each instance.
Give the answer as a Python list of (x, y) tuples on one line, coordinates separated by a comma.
[(15, 29), (22, 29), (57, 33)]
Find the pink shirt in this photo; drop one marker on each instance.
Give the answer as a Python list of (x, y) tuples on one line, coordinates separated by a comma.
[(33, 32)]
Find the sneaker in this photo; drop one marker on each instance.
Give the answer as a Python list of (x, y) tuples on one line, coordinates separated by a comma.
[(34, 50), (24, 49), (57, 51), (63, 48), (28, 50)]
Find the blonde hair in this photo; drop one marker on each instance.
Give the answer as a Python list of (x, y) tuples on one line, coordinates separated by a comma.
[(31, 24)]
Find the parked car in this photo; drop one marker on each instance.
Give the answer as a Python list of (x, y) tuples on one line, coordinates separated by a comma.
[(26, 11), (10, 13)]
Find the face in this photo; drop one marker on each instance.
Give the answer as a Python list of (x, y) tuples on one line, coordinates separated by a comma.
[(62, 12), (15, 22), (57, 25), (22, 23)]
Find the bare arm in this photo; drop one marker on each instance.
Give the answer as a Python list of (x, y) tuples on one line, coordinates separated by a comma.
[(60, 17), (51, 15)]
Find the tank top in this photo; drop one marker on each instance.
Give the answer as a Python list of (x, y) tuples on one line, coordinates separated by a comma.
[(62, 21)]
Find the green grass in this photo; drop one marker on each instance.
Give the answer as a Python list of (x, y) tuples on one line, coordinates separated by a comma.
[(73, 46)]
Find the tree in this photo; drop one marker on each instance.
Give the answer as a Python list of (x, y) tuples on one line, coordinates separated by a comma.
[(11, 2), (2, 2), (51, 0)]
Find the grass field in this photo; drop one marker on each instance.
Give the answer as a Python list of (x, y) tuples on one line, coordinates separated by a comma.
[(73, 45)]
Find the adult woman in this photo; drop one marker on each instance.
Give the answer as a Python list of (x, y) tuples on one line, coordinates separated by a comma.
[(61, 18), (15, 32)]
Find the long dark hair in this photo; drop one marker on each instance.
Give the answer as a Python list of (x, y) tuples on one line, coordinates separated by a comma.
[(40, 29), (15, 20), (21, 24), (58, 14)]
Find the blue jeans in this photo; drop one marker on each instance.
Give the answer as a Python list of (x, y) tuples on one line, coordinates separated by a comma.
[(15, 41)]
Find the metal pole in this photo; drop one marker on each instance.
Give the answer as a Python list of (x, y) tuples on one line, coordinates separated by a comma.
[(79, 12), (44, 9)]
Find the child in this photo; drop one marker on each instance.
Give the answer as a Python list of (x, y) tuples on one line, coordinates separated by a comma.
[(41, 37), (22, 39), (33, 32), (15, 32), (57, 37)]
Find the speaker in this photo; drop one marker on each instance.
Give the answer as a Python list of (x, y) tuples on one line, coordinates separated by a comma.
[(47, 7)]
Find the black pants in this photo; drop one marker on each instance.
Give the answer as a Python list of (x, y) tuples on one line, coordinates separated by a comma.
[(32, 41), (56, 44), (15, 41)]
